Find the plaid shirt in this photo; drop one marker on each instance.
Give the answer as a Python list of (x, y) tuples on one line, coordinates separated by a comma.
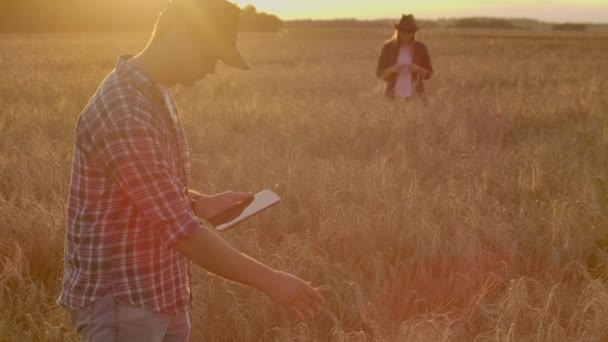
[(128, 201)]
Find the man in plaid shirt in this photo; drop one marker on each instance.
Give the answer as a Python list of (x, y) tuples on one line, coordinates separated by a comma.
[(132, 228)]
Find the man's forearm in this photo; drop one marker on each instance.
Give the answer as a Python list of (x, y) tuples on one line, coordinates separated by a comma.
[(209, 251)]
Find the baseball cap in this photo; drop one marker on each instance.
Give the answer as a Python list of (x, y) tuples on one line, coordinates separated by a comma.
[(216, 22)]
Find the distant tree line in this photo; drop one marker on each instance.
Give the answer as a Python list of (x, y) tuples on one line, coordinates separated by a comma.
[(569, 27), (492, 23), (498, 23), (345, 23), (446, 23), (252, 21), (102, 16)]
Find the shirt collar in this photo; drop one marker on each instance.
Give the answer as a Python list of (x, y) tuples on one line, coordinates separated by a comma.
[(139, 79)]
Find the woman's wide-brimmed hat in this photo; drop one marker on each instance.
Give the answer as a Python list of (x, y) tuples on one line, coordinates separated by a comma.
[(407, 23)]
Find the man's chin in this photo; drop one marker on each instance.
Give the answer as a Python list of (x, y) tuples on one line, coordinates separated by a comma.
[(187, 83), (191, 82)]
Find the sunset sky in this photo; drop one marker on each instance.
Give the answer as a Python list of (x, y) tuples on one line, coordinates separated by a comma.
[(584, 10)]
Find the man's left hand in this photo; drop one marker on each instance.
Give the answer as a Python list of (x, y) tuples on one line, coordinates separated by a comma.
[(210, 206)]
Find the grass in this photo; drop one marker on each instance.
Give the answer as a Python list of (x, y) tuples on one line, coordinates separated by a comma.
[(483, 216)]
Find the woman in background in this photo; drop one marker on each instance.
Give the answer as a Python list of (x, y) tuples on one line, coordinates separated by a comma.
[(404, 62)]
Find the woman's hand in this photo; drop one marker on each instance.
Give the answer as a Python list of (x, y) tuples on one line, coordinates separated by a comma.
[(210, 206), (417, 69), (413, 68), (395, 69)]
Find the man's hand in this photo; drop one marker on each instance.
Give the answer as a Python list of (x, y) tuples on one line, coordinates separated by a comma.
[(208, 250), (210, 206), (300, 299)]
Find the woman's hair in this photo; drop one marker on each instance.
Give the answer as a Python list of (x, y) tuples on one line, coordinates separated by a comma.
[(395, 36)]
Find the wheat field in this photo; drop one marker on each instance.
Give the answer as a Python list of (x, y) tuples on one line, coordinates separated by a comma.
[(480, 217)]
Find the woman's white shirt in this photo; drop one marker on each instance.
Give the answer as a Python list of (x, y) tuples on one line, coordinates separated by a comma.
[(403, 87)]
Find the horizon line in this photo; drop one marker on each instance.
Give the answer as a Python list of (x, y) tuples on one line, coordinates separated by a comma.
[(542, 21)]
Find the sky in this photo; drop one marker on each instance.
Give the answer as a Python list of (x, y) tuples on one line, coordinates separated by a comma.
[(593, 11)]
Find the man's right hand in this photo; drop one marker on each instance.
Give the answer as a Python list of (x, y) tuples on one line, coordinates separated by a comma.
[(300, 299), (208, 250)]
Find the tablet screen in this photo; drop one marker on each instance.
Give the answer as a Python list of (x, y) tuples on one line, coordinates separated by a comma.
[(242, 211)]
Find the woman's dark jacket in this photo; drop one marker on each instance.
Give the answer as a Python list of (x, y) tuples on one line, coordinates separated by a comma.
[(388, 58)]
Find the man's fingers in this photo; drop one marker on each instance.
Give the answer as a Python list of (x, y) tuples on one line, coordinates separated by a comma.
[(237, 195), (295, 313), (241, 196), (306, 311), (247, 194), (232, 198), (323, 288), (317, 300), (312, 302), (314, 294)]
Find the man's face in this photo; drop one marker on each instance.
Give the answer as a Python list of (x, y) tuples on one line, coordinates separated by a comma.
[(197, 62)]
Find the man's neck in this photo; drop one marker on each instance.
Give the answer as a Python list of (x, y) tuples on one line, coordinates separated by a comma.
[(151, 63)]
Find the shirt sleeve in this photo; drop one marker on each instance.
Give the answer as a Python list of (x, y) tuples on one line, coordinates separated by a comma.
[(381, 65), (426, 58), (132, 153)]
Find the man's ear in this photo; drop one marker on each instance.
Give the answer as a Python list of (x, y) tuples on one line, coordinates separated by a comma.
[(180, 29), (173, 31), (178, 39)]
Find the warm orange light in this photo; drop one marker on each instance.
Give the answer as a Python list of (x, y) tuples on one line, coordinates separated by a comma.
[(585, 10)]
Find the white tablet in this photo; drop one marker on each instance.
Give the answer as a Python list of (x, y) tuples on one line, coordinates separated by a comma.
[(242, 211)]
